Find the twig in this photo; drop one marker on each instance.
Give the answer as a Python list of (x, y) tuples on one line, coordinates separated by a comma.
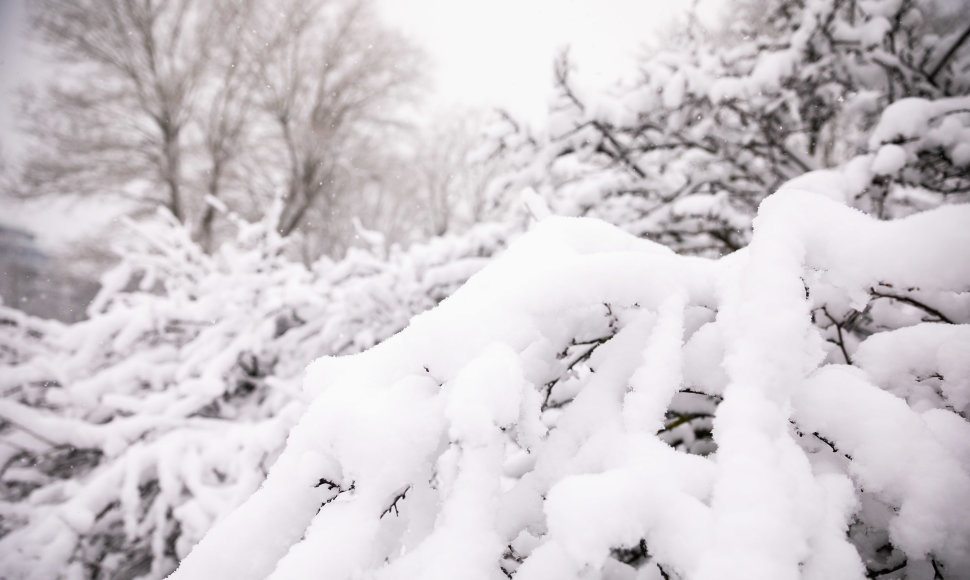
[(937, 569), (334, 486), (512, 554), (912, 302), (600, 340), (838, 330), (949, 54), (701, 393), (393, 507), (830, 445), (583, 357), (687, 418)]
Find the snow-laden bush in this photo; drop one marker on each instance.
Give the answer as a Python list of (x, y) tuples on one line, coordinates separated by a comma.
[(124, 437), (684, 154), (592, 405), (22, 336)]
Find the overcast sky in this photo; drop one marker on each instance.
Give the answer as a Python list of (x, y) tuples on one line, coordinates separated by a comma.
[(500, 52)]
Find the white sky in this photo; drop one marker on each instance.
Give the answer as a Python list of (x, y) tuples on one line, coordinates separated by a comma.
[(500, 52)]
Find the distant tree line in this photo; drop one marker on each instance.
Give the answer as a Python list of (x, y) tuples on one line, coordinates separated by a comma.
[(201, 106)]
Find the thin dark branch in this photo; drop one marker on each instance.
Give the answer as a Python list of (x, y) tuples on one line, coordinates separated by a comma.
[(701, 393), (334, 486), (838, 330), (830, 444), (581, 358), (949, 54), (912, 302), (512, 554), (600, 340), (937, 569), (686, 418), (393, 507)]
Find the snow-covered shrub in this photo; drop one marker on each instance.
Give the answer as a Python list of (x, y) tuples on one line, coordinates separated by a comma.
[(23, 337), (685, 154), (593, 405), (124, 437), (918, 156)]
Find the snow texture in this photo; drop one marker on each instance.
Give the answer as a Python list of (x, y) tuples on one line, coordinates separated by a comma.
[(592, 405), (685, 154), (126, 436), (538, 423)]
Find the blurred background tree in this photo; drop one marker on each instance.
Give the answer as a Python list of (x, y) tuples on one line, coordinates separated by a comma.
[(190, 105)]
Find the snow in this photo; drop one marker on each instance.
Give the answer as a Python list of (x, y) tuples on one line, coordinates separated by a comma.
[(535, 204), (900, 358), (587, 405), (441, 449), (895, 457), (673, 92), (961, 154), (908, 118), (181, 395), (771, 68), (890, 159)]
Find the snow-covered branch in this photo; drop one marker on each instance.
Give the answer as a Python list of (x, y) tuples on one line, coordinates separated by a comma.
[(809, 468)]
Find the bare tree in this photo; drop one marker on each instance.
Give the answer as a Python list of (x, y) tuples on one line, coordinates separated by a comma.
[(189, 104), (227, 118), (332, 81), (453, 172), (117, 115)]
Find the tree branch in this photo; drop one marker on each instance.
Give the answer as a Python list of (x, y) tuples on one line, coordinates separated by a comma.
[(913, 302)]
